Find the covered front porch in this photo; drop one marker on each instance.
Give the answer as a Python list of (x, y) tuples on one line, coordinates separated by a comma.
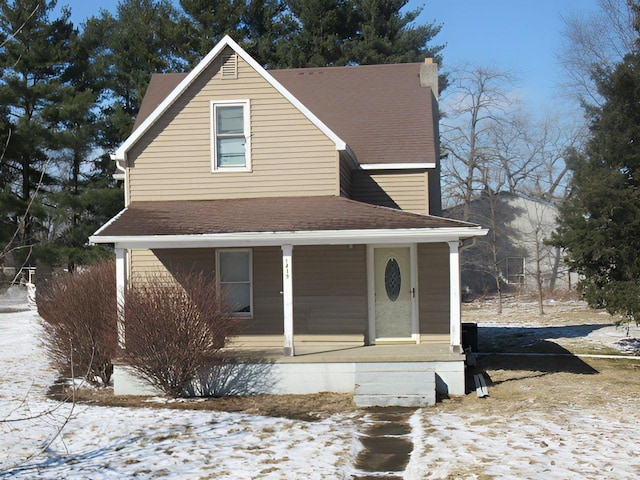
[(324, 295), (335, 294)]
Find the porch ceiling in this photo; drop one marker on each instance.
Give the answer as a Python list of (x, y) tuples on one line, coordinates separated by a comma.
[(273, 221)]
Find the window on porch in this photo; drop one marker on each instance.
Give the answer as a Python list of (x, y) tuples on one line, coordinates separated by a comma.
[(234, 277)]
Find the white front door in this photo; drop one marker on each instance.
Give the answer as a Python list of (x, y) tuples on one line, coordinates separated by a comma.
[(393, 293)]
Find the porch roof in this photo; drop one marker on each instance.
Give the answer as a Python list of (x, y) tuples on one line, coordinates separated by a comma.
[(273, 221)]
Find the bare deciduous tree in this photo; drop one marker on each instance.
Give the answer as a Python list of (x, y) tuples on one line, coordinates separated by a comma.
[(596, 41), (477, 103), (495, 144), (556, 139)]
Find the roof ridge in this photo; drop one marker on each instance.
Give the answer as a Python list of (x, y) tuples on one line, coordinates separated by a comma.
[(345, 67)]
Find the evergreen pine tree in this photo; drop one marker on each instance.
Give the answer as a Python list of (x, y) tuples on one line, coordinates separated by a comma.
[(387, 35), (600, 221), (141, 39), (34, 53)]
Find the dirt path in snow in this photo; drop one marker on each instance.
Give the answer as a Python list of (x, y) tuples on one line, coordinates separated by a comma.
[(387, 444)]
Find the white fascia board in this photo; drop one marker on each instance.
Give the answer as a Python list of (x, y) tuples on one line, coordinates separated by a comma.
[(320, 237), (97, 232), (340, 144), (227, 41), (396, 166)]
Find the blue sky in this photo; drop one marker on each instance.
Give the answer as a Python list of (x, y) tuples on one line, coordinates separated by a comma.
[(521, 35)]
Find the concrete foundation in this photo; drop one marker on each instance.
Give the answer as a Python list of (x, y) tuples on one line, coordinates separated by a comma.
[(375, 375)]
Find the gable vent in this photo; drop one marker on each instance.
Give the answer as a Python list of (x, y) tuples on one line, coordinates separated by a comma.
[(229, 65)]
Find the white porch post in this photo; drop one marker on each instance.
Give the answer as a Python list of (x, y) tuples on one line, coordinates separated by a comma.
[(121, 285), (454, 298), (287, 294)]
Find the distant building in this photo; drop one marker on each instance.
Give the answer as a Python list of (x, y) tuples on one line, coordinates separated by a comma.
[(519, 227)]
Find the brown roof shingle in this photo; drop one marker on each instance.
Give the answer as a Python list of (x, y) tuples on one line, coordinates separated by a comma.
[(380, 111), (160, 86), (280, 214)]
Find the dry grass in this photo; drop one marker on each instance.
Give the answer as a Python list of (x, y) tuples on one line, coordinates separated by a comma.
[(296, 407), (516, 383), (566, 327), (540, 383)]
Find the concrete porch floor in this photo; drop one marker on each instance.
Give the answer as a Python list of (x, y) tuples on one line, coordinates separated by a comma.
[(350, 353)]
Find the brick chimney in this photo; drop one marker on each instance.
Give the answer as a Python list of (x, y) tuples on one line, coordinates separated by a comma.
[(429, 75)]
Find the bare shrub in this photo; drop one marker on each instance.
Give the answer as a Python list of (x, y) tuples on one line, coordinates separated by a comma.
[(80, 313), (175, 329)]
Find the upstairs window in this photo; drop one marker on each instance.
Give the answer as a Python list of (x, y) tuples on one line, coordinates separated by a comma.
[(231, 136)]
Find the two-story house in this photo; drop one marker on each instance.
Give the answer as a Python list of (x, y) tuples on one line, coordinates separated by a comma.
[(309, 193)]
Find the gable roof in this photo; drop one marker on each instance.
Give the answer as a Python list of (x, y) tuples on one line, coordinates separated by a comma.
[(188, 79), (380, 111), (261, 219)]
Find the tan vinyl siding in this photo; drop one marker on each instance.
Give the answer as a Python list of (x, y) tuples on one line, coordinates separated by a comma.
[(329, 286), (289, 155), (254, 342), (268, 316), (406, 190), (435, 195), (433, 281), (170, 261), (330, 290), (144, 263), (345, 175)]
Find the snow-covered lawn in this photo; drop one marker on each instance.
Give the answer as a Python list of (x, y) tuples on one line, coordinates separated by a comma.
[(535, 425), (563, 443), (100, 442)]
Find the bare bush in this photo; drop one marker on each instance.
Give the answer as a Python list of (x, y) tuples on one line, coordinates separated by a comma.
[(80, 313), (175, 329)]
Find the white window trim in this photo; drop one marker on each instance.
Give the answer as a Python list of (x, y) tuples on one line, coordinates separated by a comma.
[(246, 104), (219, 283)]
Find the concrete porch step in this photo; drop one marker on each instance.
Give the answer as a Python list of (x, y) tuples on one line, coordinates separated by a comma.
[(376, 384)]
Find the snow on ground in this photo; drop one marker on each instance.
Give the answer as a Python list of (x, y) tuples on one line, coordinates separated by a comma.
[(569, 324), (101, 443), (564, 443), (541, 442)]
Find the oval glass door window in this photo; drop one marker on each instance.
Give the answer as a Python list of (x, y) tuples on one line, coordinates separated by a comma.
[(392, 279)]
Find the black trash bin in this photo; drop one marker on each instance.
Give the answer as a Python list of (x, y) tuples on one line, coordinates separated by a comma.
[(470, 336)]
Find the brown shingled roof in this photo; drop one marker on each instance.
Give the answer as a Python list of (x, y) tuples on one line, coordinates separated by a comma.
[(280, 214), (160, 86), (380, 111)]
